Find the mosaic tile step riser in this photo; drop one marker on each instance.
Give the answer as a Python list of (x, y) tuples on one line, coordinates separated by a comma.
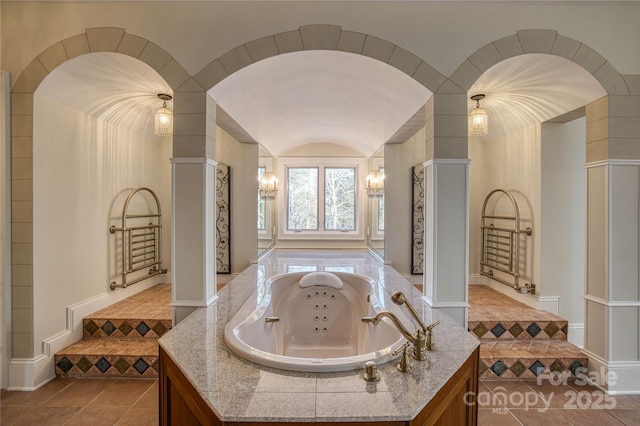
[(106, 366), (515, 330), (130, 328), (504, 368)]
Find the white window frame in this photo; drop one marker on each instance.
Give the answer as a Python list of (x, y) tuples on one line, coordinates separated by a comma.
[(321, 163)]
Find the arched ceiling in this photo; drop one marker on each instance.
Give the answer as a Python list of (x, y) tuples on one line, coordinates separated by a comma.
[(532, 88), (320, 96), (114, 87)]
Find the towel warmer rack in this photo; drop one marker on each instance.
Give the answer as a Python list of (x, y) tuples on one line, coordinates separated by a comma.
[(500, 249), (141, 243)]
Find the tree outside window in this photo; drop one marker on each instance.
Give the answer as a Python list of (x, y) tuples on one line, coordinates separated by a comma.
[(339, 199), (336, 194), (302, 200)]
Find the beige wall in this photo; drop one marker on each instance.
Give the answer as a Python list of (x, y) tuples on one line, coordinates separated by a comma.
[(5, 227), (398, 189), (563, 207), (84, 168), (210, 29), (512, 163), (243, 159)]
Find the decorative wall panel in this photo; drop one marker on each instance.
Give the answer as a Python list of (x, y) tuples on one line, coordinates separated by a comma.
[(223, 219), (417, 226)]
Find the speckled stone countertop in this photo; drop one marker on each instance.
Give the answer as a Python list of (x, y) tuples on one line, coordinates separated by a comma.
[(239, 390)]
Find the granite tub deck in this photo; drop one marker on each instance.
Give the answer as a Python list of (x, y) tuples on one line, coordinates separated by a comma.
[(201, 376)]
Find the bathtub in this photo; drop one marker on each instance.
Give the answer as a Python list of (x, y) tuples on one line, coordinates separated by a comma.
[(311, 321)]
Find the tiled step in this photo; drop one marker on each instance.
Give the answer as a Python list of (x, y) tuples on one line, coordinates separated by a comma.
[(522, 329), (495, 316), (529, 359), (109, 357), (124, 328), (120, 340), (145, 314)]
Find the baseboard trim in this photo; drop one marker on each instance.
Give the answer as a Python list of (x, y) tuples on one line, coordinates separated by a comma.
[(625, 373), (436, 304), (29, 374), (32, 373), (541, 303), (575, 335)]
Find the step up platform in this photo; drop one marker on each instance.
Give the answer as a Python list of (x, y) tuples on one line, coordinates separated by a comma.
[(146, 314), (520, 329), (529, 360), (120, 340), (519, 342), (109, 357), (494, 316)]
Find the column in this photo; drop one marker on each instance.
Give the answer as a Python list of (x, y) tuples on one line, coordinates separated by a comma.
[(612, 299), (447, 203), (193, 201)]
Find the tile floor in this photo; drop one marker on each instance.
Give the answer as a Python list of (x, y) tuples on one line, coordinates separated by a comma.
[(86, 402), (97, 402)]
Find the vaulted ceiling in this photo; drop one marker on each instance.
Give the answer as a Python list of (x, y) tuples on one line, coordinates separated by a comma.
[(321, 96)]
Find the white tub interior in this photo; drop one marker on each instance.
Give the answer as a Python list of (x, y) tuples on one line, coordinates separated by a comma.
[(318, 326)]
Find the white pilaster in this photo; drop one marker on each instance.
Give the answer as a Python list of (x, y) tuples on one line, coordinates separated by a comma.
[(447, 236), (193, 235), (612, 299)]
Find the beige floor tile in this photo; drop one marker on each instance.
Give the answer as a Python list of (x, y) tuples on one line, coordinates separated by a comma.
[(79, 393), (540, 417), (139, 417), (97, 416), (124, 392), (591, 417), (496, 417), (47, 416)]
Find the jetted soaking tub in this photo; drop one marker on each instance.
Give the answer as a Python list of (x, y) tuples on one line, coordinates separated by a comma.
[(311, 321)]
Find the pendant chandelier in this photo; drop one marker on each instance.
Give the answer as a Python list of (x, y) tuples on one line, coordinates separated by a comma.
[(478, 118), (164, 117)]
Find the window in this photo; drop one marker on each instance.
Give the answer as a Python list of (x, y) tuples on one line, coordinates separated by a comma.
[(321, 198), (302, 200), (340, 198)]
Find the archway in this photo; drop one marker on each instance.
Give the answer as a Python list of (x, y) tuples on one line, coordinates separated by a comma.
[(609, 177), (34, 367)]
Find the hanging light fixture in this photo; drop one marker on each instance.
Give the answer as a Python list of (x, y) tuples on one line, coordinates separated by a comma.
[(478, 118), (164, 117), (375, 184), (268, 187)]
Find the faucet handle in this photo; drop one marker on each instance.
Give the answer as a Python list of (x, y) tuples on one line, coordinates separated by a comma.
[(431, 341), (404, 365), (402, 348), (431, 326)]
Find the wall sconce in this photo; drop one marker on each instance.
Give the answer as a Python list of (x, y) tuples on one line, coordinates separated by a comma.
[(268, 187), (375, 184), (164, 117), (478, 118)]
